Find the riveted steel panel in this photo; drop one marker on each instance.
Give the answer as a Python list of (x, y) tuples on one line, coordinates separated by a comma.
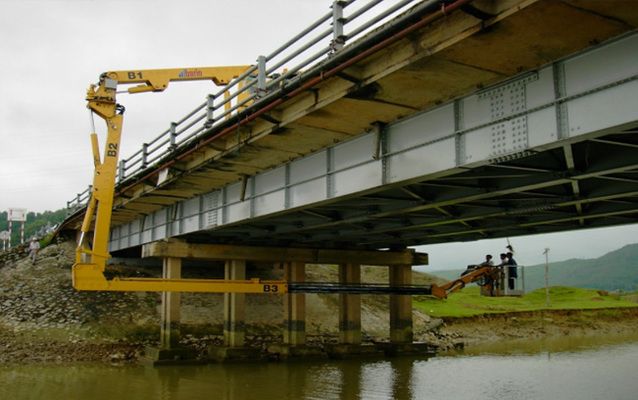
[(147, 234), (476, 112), (159, 224), (359, 178), (211, 209), (233, 192), (479, 145), (310, 167), (421, 129), (238, 211), (190, 216), (602, 66), (115, 239), (308, 192), (271, 202), (135, 240), (121, 237), (354, 152), (270, 180), (135, 226), (542, 127), (608, 108), (540, 91), (422, 161)]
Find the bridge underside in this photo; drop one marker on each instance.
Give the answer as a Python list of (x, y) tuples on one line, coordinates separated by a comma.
[(427, 140), (593, 183)]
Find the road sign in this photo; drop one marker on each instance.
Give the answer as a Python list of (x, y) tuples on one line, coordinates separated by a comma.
[(4, 235), (17, 214)]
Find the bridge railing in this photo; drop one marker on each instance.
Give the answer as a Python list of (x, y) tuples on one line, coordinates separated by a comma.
[(330, 34)]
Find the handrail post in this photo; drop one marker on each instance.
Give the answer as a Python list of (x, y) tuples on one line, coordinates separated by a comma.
[(210, 110), (173, 136), (144, 155), (261, 76), (338, 38), (121, 170)]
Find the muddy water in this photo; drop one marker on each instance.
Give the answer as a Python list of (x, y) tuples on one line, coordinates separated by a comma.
[(558, 369)]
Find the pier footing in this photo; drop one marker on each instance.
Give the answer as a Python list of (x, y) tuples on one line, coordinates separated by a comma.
[(235, 354), (175, 356), (407, 349), (279, 351), (342, 350)]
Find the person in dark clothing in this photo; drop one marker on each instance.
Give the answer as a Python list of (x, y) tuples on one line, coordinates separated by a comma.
[(511, 271), (487, 263)]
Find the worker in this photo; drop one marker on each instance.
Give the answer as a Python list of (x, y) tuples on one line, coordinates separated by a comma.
[(486, 263), (511, 270), (34, 247)]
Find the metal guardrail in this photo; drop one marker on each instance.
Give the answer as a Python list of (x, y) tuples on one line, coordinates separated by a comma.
[(323, 39)]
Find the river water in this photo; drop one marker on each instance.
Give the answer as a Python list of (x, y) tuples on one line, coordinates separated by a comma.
[(559, 369)]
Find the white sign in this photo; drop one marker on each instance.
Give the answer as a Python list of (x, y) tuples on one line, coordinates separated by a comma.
[(4, 235), (17, 214)]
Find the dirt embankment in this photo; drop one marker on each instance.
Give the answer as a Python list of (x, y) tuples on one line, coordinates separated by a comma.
[(542, 324), (43, 319)]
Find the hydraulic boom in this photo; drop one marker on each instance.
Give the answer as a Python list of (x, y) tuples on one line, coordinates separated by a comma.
[(91, 256)]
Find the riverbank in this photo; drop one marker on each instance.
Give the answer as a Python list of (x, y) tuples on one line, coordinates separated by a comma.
[(534, 325), (43, 320), (54, 346)]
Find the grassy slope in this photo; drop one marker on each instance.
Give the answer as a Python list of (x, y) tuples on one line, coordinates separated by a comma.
[(468, 302)]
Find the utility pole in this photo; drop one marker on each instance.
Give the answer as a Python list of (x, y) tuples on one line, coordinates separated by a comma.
[(546, 252)]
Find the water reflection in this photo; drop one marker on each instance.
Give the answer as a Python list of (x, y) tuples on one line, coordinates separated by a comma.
[(565, 369)]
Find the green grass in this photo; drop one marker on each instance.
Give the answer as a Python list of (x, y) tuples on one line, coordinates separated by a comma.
[(468, 302)]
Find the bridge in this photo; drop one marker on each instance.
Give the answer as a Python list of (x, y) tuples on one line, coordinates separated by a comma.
[(393, 126)]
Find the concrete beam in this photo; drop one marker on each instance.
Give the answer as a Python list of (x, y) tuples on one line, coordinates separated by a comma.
[(282, 254)]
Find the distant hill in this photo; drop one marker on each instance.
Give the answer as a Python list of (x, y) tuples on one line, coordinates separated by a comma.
[(616, 270)]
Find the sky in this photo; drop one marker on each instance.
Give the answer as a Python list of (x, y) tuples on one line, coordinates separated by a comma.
[(51, 50)]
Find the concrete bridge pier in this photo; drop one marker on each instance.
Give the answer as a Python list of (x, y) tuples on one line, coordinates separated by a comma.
[(400, 306), (349, 306), (234, 306), (295, 306), (170, 351), (171, 304), (234, 348)]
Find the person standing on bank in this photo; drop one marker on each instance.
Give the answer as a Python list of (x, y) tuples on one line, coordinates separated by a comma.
[(511, 270), (34, 247)]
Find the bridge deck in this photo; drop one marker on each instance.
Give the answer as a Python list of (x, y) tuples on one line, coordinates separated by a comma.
[(554, 187)]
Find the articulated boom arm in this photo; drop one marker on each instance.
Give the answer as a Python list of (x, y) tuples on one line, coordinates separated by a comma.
[(90, 262), (156, 80), (458, 284)]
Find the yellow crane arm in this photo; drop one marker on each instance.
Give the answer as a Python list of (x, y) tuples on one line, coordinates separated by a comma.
[(91, 256), (156, 80)]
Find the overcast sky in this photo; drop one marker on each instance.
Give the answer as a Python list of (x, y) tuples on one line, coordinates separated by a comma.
[(51, 50)]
